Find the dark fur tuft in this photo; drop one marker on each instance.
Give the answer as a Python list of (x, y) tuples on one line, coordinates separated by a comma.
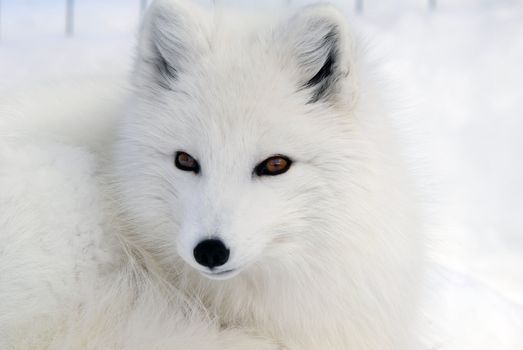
[(323, 81)]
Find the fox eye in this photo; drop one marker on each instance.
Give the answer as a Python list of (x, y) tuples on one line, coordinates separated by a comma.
[(186, 162), (274, 165)]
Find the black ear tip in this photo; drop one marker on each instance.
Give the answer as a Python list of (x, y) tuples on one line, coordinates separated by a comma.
[(323, 80), (324, 72), (165, 72)]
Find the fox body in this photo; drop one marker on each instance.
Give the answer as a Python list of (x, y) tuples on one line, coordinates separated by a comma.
[(256, 173)]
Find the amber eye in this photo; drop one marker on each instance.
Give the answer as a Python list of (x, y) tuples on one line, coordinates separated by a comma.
[(275, 165), (185, 162)]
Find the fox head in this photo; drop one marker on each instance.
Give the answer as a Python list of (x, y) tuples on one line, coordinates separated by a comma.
[(233, 150)]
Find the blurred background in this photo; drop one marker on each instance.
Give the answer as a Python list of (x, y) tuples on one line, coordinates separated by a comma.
[(458, 64)]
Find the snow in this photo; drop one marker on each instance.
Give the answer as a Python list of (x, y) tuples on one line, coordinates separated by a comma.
[(461, 68)]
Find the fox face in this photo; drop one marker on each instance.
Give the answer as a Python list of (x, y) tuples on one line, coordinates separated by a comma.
[(231, 153)]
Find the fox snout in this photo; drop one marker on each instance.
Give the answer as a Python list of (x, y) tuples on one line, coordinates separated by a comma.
[(211, 253)]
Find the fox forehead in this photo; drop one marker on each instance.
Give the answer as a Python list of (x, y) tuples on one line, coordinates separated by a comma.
[(232, 109), (236, 126)]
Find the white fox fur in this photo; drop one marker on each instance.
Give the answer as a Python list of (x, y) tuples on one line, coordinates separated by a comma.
[(99, 254)]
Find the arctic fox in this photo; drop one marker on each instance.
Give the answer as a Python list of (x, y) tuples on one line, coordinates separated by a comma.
[(260, 192)]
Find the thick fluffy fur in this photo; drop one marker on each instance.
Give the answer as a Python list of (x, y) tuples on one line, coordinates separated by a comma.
[(326, 256)]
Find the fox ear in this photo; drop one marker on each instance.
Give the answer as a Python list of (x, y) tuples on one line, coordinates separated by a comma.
[(317, 41), (172, 38)]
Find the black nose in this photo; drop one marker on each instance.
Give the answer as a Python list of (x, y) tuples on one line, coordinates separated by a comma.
[(211, 253)]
